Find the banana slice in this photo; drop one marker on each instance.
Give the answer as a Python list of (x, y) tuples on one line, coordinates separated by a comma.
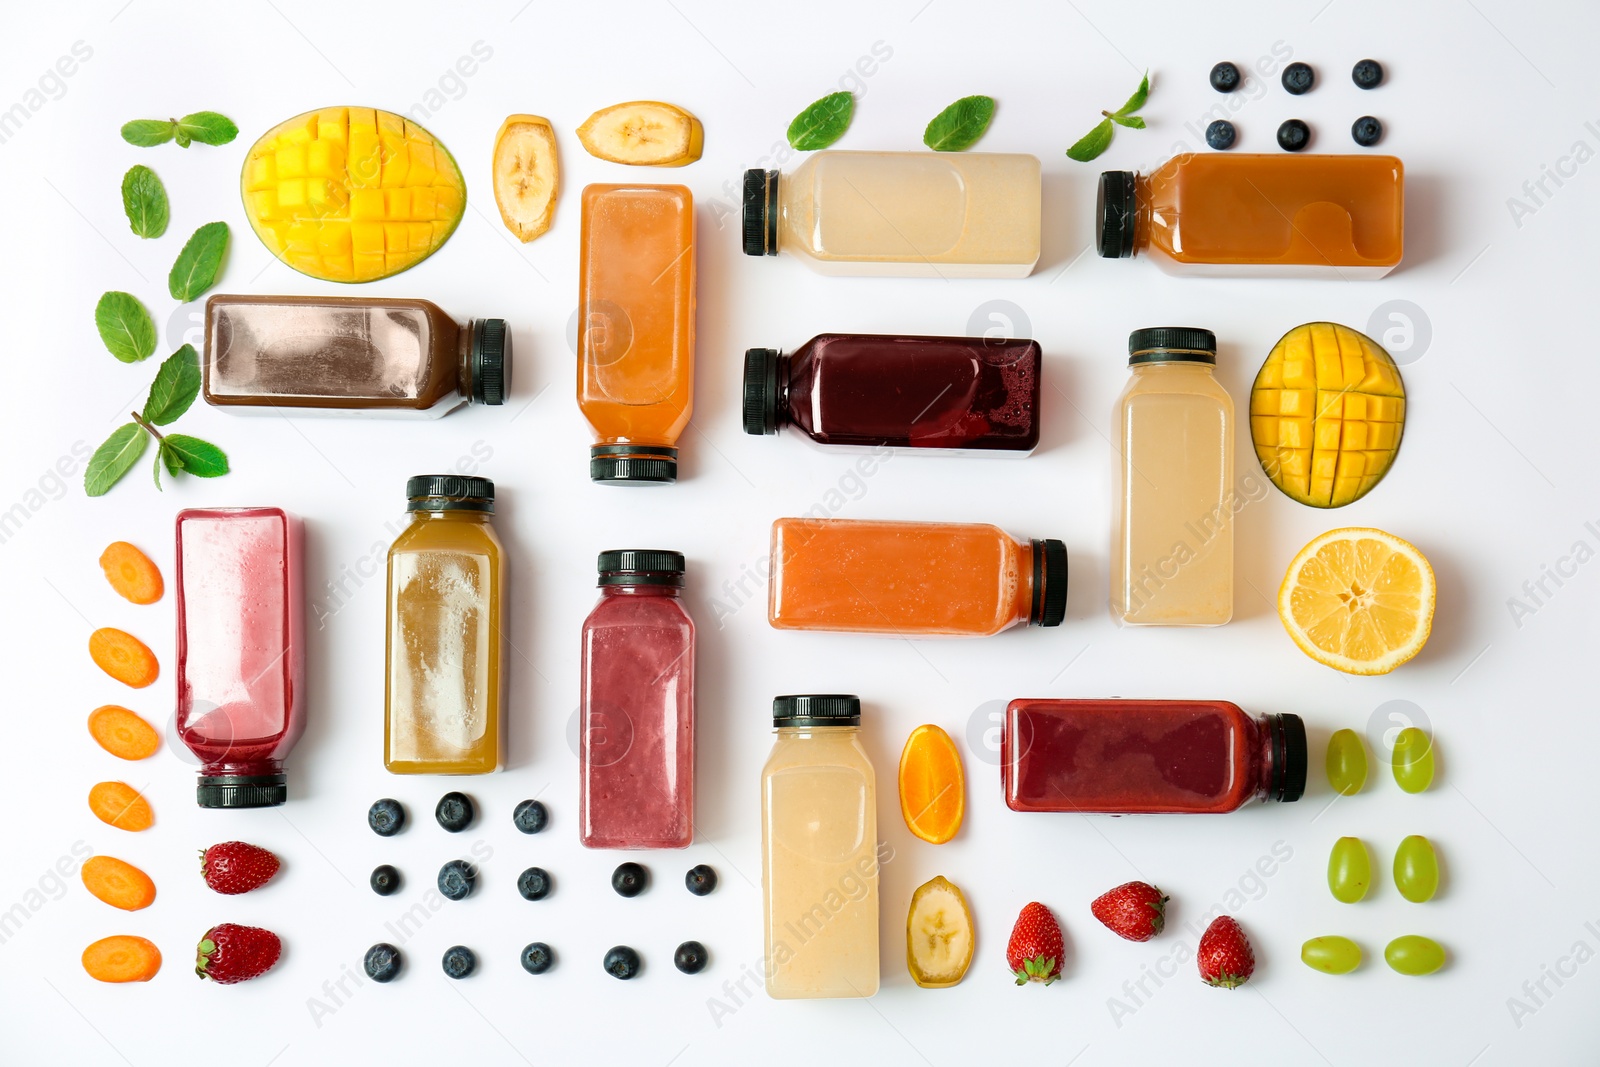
[(644, 133), (526, 177), (939, 938)]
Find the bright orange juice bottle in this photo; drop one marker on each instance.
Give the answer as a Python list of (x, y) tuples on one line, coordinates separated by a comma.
[(912, 578), (636, 328)]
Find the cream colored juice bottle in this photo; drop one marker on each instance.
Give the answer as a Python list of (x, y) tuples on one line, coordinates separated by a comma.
[(900, 214), (819, 852), (1172, 542)]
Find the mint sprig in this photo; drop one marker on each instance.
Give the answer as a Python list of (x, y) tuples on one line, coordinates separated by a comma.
[(144, 201), (207, 127), (1097, 140), (199, 263), (125, 326), (958, 127), (822, 122), (176, 385)]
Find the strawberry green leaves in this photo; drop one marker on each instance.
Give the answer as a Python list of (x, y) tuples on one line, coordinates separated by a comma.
[(176, 385), (822, 123), (144, 200), (125, 326), (958, 127), (207, 127), (1097, 140), (199, 263)]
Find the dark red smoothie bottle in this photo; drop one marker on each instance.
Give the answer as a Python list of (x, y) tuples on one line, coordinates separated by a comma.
[(884, 390)]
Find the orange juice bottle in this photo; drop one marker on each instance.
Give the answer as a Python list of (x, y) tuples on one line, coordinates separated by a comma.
[(912, 578), (636, 328), (1258, 215)]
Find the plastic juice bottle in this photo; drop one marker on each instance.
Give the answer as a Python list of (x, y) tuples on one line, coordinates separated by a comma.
[(917, 392), (371, 355), (636, 335), (912, 578), (636, 739), (1281, 215), (442, 696), (1147, 756), (241, 650), (1172, 541), (900, 214), (819, 852)]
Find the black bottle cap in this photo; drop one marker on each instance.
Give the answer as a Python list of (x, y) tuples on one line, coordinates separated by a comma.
[(640, 566), (491, 361), (1172, 344), (816, 709), (242, 790), (1289, 758), (1114, 212), (1049, 582), (761, 391), (760, 212), (449, 492), (633, 464)]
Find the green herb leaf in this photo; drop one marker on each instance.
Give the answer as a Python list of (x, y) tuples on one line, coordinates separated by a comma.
[(1092, 143), (958, 127), (144, 200), (1133, 122), (125, 326), (170, 459), (199, 263), (823, 123), (200, 458), (1136, 101), (207, 127), (156, 473), (177, 384), (147, 133), (112, 459)]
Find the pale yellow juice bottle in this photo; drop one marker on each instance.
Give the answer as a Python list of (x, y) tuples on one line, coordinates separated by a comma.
[(1172, 541), (819, 852), (900, 214)]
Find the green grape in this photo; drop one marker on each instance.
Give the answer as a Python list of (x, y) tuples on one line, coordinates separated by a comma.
[(1414, 954), (1416, 869), (1413, 760), (1331, 955), (1349, 870), (1347, 762)]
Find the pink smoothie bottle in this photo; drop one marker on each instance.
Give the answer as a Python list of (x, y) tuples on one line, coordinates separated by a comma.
[(241, 667), (636, 740)]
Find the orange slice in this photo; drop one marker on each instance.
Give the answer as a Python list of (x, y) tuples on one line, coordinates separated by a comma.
[(932, 791), (1358, 600)]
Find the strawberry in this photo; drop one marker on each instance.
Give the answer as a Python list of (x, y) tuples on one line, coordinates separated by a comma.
[(232, 953), (235, 867), (1134, 910), (1225, 957), (1035, 949)]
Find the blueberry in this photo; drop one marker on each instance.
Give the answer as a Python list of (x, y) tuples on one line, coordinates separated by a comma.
[(1367, 131), (457, 879), (1225, 77), (629, 879), (1298, 78), (386, 817), (700, 880), (1367, 74), (382, 962), (1221, 135), (459, 961), (537, 958), (533, 884), (385, 880), (622, 962), (530, 817), (454, 812), (690, 957), (1293, 135)]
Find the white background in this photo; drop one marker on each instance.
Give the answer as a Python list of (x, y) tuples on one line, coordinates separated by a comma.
[(1495, 483)]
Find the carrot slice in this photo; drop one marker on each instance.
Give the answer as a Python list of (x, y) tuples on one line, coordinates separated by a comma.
[(124, 657), (122, 958), (118, 883), (120, 805), (123, 733), (131, 573)]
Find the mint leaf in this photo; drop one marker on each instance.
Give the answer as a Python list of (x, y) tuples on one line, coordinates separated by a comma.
[(156, 473), (207, 127), (144, 201), (170, 459), (125, 326), (822, 123), (1133, 122), (1136, 101), (177, 384), (1092, 143), (199, 263), (113, 458), (958, 127), (147, 133), (200, 458)]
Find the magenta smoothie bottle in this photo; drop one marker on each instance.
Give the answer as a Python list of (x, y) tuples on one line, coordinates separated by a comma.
[(636, 720)]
